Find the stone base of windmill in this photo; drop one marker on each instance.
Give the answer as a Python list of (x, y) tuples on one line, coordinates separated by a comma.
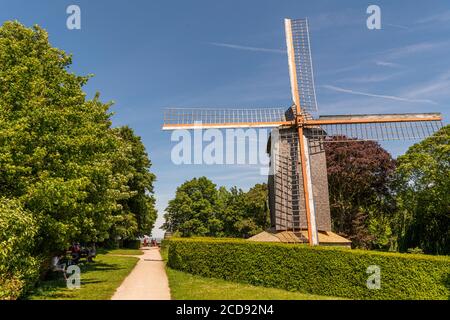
[(326, 238)]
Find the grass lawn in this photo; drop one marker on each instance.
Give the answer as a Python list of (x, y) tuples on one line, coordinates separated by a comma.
[(186, 286), (99, 280), (132, 252)]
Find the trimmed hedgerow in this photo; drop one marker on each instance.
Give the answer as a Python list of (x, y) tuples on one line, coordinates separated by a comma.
[(317, 270)]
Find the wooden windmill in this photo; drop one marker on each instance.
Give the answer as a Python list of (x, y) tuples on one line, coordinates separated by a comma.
[(299, 195)]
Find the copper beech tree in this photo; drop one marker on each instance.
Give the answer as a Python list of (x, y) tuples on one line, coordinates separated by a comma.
[(361, 202)]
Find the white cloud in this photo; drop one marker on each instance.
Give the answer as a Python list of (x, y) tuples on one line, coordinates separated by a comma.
[(436, 18), (413, 49), (335, 19), (367, 94), (399, 26), (371, 78), (385, 58), (438, 87), (247, 48), (387, 64)]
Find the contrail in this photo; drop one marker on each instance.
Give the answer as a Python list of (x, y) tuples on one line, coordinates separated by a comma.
[(367, 94), (239, 47)]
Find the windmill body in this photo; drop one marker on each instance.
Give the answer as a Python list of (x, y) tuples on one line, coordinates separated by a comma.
[(298, 187), (285, 185)]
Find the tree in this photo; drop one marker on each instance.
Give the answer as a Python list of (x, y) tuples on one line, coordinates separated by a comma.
[(255, 216), (230, 210), (192, 211), (18, 268), (138, 214), (58, 153), (200, 209), (423, 195), (256, 205), (361, 203)]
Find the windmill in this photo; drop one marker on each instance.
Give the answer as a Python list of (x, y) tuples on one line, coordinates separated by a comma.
[(298, 193)]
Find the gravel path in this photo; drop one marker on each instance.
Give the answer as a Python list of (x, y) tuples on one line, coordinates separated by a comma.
[(147, 281)]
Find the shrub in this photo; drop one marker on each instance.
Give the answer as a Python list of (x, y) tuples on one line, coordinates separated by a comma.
[(316, 270), (164, 244), (18, 269), (110, 244), (131, 244)]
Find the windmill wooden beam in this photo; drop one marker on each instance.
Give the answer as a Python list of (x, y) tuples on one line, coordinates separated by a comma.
[(375, 118), (225, 125), (313, 238), (303, 204), (184, 118)]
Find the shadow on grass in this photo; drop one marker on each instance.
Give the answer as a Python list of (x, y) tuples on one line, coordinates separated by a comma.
[(120, 251), (100, 266), (91, 273), (104, 251)]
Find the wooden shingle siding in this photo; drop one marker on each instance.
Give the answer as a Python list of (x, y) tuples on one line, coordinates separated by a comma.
[(286, 198)]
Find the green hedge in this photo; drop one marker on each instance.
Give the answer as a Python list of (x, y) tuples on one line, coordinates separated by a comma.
[(316, 270), (131, 244), (164, 244)]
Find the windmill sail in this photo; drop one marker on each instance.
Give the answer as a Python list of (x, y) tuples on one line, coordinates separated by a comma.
[(378, 127), (300, 64), (184, 118)]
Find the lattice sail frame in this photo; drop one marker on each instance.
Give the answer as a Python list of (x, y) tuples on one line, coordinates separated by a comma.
[(378, 127), (382, 127), (300, 64), (191, 118)]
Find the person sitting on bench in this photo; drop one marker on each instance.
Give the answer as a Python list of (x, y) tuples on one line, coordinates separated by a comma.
[(92, 252), (58, 266), (76, 253)]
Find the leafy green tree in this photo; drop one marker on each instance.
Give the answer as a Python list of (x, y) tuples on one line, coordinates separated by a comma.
[(254, 212), (138, 214), (423, 195), (257, 207), (192, 211), (18, 268), (231, 210), (58, 153), (361, 201), (200, 209)]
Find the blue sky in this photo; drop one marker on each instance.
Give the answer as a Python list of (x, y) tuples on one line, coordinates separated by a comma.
[(147, 55)]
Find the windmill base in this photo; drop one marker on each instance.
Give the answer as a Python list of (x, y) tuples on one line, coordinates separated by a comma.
[(326, 238)]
